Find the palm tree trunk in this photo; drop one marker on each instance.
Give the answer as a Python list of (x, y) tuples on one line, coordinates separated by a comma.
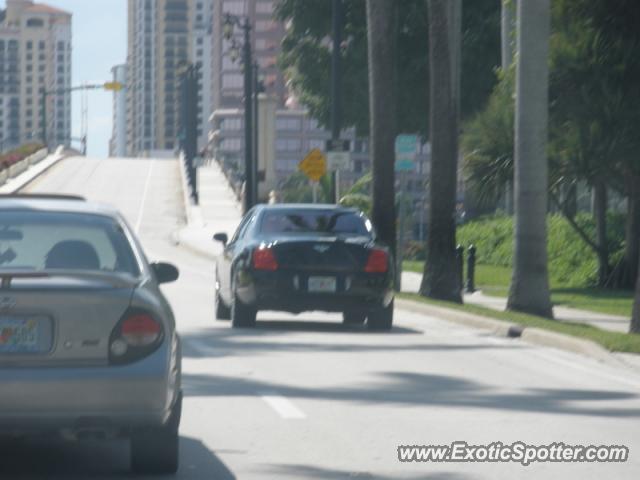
[(600, 214), (635, 318), (632, 239), (440, 278), (529, 291), (506, 32), (381, 25)]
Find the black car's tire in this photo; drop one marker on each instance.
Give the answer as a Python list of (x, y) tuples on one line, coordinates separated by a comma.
[(353, 318), (222, 311), (156, 450), (381, 319), (242, 316)]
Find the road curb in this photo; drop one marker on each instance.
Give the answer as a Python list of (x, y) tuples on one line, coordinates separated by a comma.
[(568, 343), (498, 327), (189, 206), (192, 247), (506, 329)]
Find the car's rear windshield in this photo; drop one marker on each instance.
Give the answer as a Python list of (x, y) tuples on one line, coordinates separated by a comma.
[(330, 222), (40, 241)]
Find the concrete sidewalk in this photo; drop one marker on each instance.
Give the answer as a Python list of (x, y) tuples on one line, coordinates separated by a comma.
[(411, 284), (218, 211)]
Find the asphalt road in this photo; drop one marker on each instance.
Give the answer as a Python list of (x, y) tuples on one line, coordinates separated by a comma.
[(305, 398)]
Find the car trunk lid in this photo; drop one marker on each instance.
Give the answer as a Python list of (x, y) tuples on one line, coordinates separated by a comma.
[(60, 318), (331, 253)]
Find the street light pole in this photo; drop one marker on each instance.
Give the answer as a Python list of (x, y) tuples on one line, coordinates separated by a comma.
[(256, 135), (249, 167), (336, 90), (43, 118), (113, 86)]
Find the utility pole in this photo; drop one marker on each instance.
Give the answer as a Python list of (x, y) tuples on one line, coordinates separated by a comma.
[(336, 89)]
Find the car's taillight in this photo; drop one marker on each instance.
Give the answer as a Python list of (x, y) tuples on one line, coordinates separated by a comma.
[(140, 330), (264, 259), (137, 335), (378, 262)]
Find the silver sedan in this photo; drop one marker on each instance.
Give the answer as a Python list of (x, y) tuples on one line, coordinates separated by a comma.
[(88, 344)]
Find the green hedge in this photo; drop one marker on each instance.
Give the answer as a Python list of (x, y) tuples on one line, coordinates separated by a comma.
[(572, 263)]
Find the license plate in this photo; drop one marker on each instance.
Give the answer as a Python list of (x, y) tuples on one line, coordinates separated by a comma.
[(322, 284), (18, 335)]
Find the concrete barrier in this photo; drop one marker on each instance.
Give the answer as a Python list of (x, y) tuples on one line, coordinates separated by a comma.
[(21, 166), (37, 157)]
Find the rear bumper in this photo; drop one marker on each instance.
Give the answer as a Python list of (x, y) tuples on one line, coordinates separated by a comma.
[(288, 291), (101, 398)]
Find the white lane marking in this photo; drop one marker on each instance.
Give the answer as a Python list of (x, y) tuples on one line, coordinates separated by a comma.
[(144, 196), (285, 408)]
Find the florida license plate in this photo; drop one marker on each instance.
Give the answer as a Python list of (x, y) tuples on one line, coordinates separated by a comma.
[(322, 284), (18, 335)]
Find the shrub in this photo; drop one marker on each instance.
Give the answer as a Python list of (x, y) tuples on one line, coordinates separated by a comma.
[(572, 263)]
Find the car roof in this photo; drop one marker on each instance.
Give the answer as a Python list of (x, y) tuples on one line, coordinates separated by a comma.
[(307, 206), (56, 204)]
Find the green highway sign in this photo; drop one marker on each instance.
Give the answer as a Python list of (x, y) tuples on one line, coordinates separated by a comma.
[(406, 151)]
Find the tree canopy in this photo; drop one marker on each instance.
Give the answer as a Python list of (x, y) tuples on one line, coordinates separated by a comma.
[(306, 58)]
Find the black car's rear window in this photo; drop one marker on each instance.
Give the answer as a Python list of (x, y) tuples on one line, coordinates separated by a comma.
[(315, 221)]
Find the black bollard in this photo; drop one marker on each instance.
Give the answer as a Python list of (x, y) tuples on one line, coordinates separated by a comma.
[(460, 265), (471, 270)]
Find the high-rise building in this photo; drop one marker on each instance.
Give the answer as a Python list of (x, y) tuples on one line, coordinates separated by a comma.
[(164, 37), (35, 57), (266, 38), (118, 142)]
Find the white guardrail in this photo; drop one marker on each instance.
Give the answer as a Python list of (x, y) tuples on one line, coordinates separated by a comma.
[(19, 167)]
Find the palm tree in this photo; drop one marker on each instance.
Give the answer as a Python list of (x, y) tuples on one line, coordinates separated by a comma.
[(440, 278), (381, 23), (529, 290), (635, 319)]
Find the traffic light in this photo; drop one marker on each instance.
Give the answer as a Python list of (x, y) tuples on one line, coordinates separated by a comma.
[(113, 86)]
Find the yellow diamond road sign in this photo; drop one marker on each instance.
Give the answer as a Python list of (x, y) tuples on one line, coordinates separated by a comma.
[(314, 165)]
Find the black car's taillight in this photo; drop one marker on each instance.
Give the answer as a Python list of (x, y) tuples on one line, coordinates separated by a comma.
[(136, 335), (264, 259), (378, 261)]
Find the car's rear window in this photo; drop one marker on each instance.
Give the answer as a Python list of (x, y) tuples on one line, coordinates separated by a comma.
[(315, 221), (40, 241)]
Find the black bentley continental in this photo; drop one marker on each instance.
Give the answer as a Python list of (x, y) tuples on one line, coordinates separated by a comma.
[(297, 258)]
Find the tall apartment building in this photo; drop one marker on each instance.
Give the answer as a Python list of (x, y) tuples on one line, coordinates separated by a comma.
[(118, 142), (164, 36), (35, 56), (266, 38)]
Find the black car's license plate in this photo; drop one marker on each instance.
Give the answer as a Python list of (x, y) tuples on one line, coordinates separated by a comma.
[(322, 284)]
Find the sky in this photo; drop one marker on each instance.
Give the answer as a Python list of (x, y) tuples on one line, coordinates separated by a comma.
[(99, 43)]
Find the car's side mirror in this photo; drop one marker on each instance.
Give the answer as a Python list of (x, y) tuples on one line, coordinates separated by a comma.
[(165, 272), (222, 238)]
